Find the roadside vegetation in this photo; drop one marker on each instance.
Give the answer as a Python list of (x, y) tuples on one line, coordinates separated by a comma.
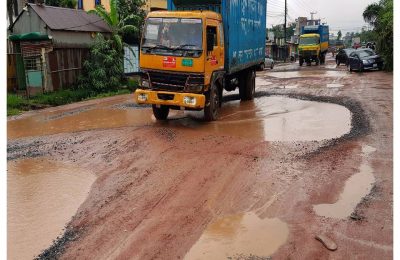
[(17, 104), (103, 71), (380, 16)]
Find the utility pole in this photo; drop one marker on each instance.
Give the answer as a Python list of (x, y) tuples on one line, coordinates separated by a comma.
[(284, 31), (312, 16)]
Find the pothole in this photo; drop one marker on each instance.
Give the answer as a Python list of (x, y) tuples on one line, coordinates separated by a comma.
[(242, 234), (334, 85), (276, 118), (42, 197), (356, 187), (305, 73), (270, 118)]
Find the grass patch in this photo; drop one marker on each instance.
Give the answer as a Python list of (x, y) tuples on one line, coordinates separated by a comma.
[(17, 104)]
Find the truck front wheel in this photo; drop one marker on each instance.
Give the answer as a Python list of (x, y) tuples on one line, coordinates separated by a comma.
[(213, 103), (160, 113), (323, 59), (247, 85)]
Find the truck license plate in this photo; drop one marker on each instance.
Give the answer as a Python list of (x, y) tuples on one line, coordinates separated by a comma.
[(374, 65)]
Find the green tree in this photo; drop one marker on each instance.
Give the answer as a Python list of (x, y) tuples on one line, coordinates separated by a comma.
[(339, 35), (371, 13), (380, 16), (118, 24), (127, 7), (62, 3), (103, 69)]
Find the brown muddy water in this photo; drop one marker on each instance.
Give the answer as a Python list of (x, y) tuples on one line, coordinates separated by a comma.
[(306, 74), (42, 196), (274, 118), (356, 187), (240, 235)]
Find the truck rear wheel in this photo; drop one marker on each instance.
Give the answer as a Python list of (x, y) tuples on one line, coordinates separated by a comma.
[(247, 85), (160, 113), (213, 103)]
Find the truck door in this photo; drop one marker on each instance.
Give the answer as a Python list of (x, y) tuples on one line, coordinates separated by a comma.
[(214, 51)]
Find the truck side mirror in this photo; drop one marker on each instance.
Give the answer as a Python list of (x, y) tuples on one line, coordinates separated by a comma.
[(210, 42)]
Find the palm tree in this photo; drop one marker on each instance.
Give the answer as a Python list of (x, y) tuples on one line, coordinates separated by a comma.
[(117, 23), (371, 13), (12, 10)]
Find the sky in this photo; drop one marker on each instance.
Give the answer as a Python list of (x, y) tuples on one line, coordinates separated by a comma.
[(344, 15)]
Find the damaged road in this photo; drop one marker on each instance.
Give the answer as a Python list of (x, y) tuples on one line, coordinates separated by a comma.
[(260, 183)]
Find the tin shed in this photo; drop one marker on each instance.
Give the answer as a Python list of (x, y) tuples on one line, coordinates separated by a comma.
[(56, 53)]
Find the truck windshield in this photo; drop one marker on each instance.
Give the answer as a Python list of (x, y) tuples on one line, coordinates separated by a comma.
[(172, 35), (309, 41)]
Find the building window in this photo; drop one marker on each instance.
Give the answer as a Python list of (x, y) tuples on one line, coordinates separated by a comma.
[(97, 2), (80, 4)]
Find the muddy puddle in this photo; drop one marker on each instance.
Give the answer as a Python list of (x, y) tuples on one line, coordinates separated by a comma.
[(274, 118), (334, 85), (240, 235), (42, 196), (306, 74), (356, 187)]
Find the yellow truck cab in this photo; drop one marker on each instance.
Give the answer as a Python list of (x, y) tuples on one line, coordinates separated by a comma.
[(188, 56), (188, 72)]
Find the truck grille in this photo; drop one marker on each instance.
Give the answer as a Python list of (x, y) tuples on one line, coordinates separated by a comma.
[(308, 53), (174, 81)]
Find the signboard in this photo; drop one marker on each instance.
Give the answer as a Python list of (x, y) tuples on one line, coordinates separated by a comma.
[(169, 62)]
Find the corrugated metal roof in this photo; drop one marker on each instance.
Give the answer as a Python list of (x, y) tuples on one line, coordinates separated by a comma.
[(66, 19)]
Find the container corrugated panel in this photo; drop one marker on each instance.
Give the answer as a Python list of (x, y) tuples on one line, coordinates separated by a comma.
[(244, 28), (322, 30)]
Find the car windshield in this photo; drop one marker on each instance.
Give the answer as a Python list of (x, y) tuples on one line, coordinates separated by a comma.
[(349, 51), (309, 41), (365, 53), (173, 34)]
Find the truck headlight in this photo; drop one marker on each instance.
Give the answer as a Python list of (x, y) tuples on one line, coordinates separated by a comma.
[(142, 97), (144, 82), (189, 100)]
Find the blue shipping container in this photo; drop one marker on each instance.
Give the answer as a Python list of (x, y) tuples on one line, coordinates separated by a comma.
[(244, 28), (322, 30)]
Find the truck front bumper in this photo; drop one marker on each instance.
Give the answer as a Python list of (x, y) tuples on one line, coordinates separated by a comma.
[(173, 99)]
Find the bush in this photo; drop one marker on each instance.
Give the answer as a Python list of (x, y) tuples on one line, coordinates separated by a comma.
[(103, 70), (16, 102), (61, 97), (132, 84)]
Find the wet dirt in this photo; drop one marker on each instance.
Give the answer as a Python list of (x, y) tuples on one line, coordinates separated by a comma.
[(277, 119), (160, 186), (42, 197), (241, 234), (306, 74), (267, 118), (79, 119), (356, 188), (334, 85)]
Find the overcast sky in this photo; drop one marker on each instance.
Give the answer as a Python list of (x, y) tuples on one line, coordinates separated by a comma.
[(338, 14)]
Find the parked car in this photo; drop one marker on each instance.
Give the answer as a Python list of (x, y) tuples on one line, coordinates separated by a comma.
[(343, 56), (364, 59), (269, 62)]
